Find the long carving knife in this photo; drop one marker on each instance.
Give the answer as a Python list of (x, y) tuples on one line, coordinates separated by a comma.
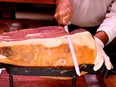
[(72, 52)]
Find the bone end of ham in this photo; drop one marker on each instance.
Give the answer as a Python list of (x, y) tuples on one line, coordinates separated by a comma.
[(47, 48)]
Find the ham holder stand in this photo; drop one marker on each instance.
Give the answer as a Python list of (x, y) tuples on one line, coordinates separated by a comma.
[(57, 72)]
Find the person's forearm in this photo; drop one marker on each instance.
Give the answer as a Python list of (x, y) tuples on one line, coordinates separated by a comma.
[(102, 36)]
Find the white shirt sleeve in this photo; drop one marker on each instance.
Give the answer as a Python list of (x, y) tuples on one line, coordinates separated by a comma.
[(0, 71), (109, 23)]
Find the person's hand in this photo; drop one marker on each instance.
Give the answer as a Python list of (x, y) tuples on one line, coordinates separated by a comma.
[(101, 56), (63, 11)]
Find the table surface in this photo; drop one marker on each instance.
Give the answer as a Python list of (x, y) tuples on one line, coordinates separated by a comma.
[(30, 1)]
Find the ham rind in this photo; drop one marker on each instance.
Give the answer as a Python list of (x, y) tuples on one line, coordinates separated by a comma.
[(46, 47)]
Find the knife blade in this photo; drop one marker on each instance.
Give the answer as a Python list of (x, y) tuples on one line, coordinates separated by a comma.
[(72, 52)]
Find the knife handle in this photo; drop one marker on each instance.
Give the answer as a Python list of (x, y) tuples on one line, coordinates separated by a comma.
[(66, 27)]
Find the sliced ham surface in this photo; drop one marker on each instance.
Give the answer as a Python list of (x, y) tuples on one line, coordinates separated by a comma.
[(43, 32)]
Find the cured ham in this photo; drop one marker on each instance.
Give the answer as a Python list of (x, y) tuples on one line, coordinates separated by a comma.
[(46, 47)]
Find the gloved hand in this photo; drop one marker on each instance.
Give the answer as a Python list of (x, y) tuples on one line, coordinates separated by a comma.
[(63, 11), (101, 56)]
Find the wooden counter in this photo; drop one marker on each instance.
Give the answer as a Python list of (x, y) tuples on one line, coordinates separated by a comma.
[(8, 8), (30, 1)]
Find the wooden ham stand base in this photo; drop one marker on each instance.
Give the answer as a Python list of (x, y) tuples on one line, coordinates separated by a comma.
[(90, 79)]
